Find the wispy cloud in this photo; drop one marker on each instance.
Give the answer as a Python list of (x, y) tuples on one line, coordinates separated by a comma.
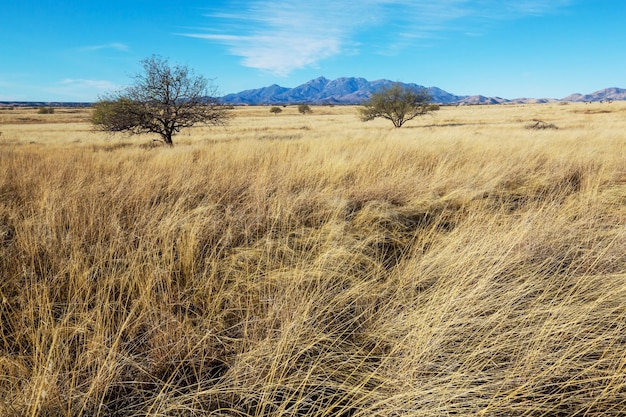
[(92, 84), (282, 36), (279, 36), (537, 7), (69, 89), (82, 89), (117, 46)]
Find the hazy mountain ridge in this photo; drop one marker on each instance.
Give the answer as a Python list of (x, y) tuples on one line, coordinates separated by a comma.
[(606, 94), (44, 103), (354, 90)]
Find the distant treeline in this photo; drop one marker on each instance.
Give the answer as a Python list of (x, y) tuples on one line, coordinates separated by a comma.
[(42, 103)]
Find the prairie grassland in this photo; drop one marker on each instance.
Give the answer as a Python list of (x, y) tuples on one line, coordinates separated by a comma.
[(316, 265)]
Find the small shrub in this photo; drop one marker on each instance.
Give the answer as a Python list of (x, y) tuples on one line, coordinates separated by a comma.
[(46, 110), (304, 109), (275, 110), (540, 125)]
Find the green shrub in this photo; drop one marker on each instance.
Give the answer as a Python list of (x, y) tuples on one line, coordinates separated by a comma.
[(304, 109)]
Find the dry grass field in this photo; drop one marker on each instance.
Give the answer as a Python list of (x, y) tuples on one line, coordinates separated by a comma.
[(291, 265)]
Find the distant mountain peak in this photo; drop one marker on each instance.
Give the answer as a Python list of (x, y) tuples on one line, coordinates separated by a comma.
[(343, 90), (355, 90)]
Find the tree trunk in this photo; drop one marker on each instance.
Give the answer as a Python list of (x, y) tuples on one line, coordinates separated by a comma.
[(167, 138)]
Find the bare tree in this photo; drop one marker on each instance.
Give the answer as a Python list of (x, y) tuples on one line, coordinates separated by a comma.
[(398, 104), (164, 99)]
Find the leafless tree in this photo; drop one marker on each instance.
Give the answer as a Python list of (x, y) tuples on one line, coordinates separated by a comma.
[(164, 99)]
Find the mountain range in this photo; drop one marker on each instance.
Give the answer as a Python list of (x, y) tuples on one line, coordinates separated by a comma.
[(352, 90)]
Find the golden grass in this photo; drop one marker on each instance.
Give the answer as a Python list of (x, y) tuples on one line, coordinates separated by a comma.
[(316, 265)]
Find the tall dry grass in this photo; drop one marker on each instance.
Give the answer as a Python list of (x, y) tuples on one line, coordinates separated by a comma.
[(314, 265)]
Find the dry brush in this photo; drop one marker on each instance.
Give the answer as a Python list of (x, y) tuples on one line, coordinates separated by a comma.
[(365, 273)]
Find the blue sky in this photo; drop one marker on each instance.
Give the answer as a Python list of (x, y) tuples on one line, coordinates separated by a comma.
[(77, 50)]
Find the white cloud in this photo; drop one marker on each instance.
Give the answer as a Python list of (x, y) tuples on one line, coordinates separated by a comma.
[(282, 36), (117, 46), (278, 53)]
